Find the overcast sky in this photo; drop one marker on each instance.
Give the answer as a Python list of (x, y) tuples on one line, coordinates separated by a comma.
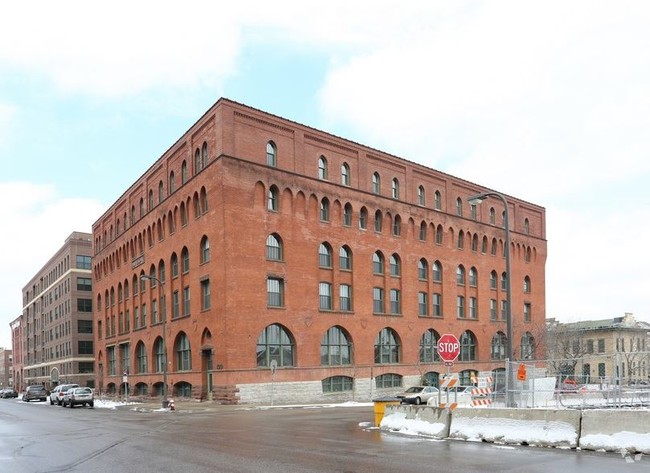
[(548, 101)]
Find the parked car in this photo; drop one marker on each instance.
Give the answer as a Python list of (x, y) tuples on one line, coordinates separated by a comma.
[(8, 393), (56, 396), (36, 391), (418, 394), (461, 395), (78, 396)]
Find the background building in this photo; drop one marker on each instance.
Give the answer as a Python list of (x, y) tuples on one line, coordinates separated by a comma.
[(6, 368), (56, 324), (288, 262), (17, 349), (608, 351)]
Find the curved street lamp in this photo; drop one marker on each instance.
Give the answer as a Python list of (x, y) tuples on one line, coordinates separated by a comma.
[(144, 277), (474, 200)]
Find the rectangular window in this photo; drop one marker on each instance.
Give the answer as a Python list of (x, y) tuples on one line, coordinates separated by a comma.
[(473, 309), (154, 311), (504, 304), (590, 346), (84, 262), (345, 297), (275, 292), (436, 305), (86, 367), (84, 326), (143, 316), (601, 345), (110, 355), (205, 294), (378, 300), (85, 347), (601, 370), (527, 309), (325, 296), (460, 307), (395, 301), (84, 284), (423, 304), (186, 300), (493, 309), (84, 305)]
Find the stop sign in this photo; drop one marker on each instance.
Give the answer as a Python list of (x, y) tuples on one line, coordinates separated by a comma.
[(448, 347)]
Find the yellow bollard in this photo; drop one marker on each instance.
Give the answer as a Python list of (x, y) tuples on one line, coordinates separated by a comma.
[(380, 407)]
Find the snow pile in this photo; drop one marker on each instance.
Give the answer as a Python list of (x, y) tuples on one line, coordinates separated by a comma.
[(515, 431), (629, 441), (398, 422)]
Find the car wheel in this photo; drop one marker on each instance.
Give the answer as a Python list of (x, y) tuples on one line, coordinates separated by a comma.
[(91, 404), (418, 401), (51, 402), (71, 405)]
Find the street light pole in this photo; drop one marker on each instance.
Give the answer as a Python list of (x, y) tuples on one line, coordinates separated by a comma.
[(165, 402), (477, 199)]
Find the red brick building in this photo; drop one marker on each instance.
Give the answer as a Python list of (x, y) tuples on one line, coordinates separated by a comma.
[(291, 264)]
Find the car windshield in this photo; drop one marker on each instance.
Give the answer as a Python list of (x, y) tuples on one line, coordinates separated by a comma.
[(83, 391), (415, 389)]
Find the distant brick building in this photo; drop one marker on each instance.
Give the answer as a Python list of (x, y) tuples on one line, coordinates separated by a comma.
[(17, 352), (6, 368), (292, 264), (56, 326)]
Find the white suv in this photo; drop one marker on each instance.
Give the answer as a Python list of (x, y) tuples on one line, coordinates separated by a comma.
[(56, 396)]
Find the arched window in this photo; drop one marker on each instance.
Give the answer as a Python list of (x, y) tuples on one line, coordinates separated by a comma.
[(527, 347), (337, 384), (461, 240), (459, 207), (161, 191), (387, 347), (526, 226), (377, 263), (397, 225), (493, 280), (140, 358), (493, 247), (499, 342), (183, 172), (460, 275), (322, 168), (527, 285), (493, 217), (395, 188), (439, 235), (421, 195), (172, 182), (159, 355), (273, 247), (183, 353), (347, 215), (345, 258), (205, 249), (423, 231), (174, 265), (363, 218), (345, 174), (467, 346), (436, 272), (197, 161), (325, 210), (473, 277), (376, 183), (335, 347), (484, 245), (395, 265), (272, 199), (325, 255), (185, 258), (204, 155), (422, 270), (275, 344), (437, 200), (429, 346), (271, 154), (378, 221)]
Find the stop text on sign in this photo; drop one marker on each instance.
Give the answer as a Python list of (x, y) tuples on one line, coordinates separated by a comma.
[(449, 347)]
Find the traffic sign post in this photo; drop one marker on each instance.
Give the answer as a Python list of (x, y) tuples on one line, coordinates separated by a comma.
[(448, 351), (448, 348)]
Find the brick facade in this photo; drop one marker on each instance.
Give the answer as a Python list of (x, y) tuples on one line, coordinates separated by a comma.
[(225, 198)]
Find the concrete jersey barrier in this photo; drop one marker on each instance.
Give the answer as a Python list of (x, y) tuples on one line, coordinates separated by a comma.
[(627, 429), (541, 427), (423, 420)]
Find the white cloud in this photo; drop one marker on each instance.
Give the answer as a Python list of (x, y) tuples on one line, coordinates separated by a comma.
[(36, 222)]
